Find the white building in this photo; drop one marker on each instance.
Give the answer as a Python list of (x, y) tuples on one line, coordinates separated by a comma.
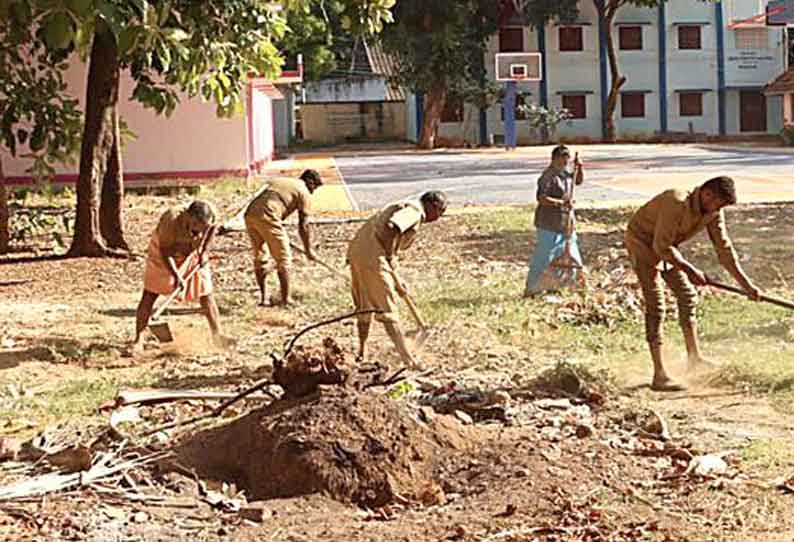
[(691, 66)]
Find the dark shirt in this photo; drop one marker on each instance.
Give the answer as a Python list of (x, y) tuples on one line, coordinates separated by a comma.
[(554, 183)]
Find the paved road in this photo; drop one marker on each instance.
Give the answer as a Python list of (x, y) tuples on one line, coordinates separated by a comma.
[(615, 174)]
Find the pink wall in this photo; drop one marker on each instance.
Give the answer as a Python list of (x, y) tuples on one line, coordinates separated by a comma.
[(192, 142)]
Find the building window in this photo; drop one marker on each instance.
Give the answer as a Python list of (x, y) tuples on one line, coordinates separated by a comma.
[(632, 105), (511, 40), (453, 111), (630, 38), (690, 104), (752, 38), (689, 37), (571, 38), (576, 104)]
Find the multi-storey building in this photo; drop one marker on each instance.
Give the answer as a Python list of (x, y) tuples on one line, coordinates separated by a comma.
[(691, 66)]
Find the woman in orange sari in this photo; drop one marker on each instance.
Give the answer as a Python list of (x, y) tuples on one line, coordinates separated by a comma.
[(178, 245)]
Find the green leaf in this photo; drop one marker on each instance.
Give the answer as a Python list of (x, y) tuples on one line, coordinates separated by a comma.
[(143, 7), (81, 8), (151, 18), (224, 80), (110, 13), (127, 39), (5, 9), (165, 12), (58, 31), (37, 139), (164, 54), (176, 34)]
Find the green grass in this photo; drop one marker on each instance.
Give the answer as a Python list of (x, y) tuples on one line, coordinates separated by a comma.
[(753, 341), (228, 189), (72, 399), (772, 455)]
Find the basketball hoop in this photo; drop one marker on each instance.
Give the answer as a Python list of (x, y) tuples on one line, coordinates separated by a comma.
[(518, 67)]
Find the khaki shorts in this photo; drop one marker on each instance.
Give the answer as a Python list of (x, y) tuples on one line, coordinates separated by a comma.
[(267, 231), (372, 286)]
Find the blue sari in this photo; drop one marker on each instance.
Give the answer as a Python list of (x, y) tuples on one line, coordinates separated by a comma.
[(550, 245)]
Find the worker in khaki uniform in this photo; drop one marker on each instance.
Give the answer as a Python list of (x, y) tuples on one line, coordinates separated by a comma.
[(371, 255), (264, 222), (652, 239), (177, 246)]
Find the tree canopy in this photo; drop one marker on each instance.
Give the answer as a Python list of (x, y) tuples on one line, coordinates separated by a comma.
[(440, 47), (170, 48)]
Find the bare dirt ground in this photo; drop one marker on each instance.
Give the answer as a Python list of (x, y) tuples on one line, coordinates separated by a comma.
[(545, 463)]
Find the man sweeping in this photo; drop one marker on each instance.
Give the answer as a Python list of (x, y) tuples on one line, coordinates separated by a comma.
[(177, 247), (652, 239), (264, 221), (554, 217), (372, 254)]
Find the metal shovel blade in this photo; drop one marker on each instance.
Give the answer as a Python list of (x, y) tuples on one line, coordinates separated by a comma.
[(421, 337), (162, 331)]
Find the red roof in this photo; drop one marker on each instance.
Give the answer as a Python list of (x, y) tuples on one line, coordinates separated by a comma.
[(267, 88)]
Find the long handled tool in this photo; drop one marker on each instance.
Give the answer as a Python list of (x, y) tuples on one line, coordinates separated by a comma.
[(768, 299), (424, 331), (162, 330), (330, 268), (569, 269)]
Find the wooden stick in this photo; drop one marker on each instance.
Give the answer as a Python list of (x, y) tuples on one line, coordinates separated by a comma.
[(769, 299), (154, 397), (333, 270)]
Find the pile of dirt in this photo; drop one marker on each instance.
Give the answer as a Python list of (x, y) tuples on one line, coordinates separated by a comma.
[(307, 367), (354, 447)]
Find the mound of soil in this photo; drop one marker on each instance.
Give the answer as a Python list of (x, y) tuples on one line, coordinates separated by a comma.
[(355, 447), (307, 367)]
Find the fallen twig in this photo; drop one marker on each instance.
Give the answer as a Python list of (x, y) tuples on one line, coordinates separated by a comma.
[(153, 397), (393, 379)]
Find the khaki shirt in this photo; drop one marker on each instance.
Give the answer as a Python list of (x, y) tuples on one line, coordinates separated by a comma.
[(372, 239), (671, 218), (283, 196), (174, 233)]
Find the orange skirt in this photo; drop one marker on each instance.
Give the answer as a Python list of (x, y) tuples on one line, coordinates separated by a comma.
[(158, 278)]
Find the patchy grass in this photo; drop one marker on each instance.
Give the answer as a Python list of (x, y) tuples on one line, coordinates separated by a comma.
[(224, 188), (467, 275), (68, 402), (769, 455)]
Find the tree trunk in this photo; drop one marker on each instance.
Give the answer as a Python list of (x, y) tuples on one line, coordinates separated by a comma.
[(111, 219), (434, 106), (5, 232), (617, 79), (102, 91)]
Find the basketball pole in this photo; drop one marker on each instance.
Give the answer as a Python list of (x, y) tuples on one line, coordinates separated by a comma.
[(510, 115)]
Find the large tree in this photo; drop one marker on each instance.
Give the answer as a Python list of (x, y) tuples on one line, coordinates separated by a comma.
[(541, 12), (440, 47), (38, 118), (321, 37), (169, 47)]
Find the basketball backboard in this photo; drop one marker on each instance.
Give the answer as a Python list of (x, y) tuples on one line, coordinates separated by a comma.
[(518, 67), (780, 13)]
